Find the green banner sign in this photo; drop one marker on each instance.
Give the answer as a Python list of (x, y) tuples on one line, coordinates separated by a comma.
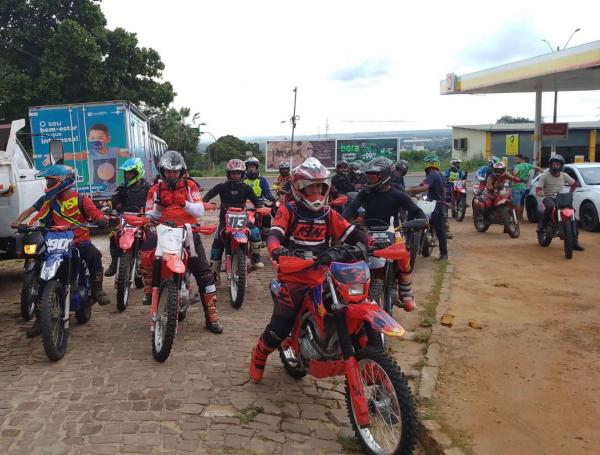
[(366, 149)]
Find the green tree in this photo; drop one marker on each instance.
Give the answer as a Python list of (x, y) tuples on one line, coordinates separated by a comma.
[(228, 147), (60, 51), (511, 119), (174, 127)]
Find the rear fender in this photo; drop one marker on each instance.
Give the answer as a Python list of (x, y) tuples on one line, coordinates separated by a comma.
[(566, 213), (376, 316), (239, 237)]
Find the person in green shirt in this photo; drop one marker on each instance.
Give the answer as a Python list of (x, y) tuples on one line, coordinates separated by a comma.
[(522, 169)]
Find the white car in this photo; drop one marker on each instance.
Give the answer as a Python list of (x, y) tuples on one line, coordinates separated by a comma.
[(586, 199)]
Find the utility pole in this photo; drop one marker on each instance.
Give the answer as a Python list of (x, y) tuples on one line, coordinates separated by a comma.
[(293, 120), (326, 127)]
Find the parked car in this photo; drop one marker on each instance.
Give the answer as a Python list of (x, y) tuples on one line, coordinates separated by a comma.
[(586, 199)]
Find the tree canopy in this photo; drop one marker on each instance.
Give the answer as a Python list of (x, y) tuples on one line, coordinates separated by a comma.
[(173, 126), (228, 147), (60, 51), (511, 119)]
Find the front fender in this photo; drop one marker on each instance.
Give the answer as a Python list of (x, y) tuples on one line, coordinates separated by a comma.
[(126, 240), (376, 316), (239, 237), (174, 263), (50, 266)]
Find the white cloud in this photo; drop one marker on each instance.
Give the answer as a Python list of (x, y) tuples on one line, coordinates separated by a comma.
[(236, 62)]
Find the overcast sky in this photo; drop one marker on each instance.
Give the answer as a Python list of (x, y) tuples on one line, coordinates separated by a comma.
[(358, 65)]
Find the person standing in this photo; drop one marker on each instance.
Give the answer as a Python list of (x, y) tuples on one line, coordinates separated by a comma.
[(522, 171), (434, 185)]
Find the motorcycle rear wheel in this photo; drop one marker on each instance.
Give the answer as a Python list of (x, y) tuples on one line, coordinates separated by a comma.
[(54, 333), (29, 294), (414, 243), (166, 322), (392, 417), (511, 225), (569, 239), (479, 223), (84, 313), (544, 238), (123, 281), (427, 249), (461, 208), (237, 284)]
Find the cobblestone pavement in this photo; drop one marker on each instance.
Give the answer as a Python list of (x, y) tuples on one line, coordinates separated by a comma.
[(109, 396)]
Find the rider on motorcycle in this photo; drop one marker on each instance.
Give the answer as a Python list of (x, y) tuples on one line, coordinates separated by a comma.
[(357, 177), (495, 182), (61, 206), (484, 171), (130, 195), (400, 170), (341, 180), (282, 178), (176, 198), (549, 185), (453, 174), (382, 201), (233, 193), (306, 223)]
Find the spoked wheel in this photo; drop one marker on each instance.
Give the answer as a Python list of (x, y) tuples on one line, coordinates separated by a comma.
[(414, 241), (389, 288), (427, 249), (166, 322), (392, 418), (139, 279), (461, 208), (568, 239), (376, 291), (123, 281), (84, 313), (545, 237), (54, 333), (511, 226), (237, 284), (479, 223), (29, 294)]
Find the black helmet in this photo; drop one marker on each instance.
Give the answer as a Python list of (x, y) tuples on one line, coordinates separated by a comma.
[(356, 166), (340, 165), (556, 159), (379, 172), (172, 161), (402, 166)]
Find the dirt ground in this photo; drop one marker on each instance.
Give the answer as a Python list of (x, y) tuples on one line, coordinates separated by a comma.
[(527, 381)]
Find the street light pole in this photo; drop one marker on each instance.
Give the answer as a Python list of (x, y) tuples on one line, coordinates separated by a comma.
[(293, 122)]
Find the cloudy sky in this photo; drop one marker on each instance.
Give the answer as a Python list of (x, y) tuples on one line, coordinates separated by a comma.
[(358, 65)]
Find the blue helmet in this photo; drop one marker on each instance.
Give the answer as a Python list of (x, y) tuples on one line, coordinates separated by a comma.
[(133, 165), (58, 179)]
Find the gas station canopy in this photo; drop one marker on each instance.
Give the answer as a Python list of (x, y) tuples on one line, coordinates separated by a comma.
[(571, 69)]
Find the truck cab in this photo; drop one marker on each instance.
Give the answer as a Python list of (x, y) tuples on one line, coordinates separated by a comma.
[(19, 187)]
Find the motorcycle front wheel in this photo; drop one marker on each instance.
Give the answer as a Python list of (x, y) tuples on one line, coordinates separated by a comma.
[(568, 236), (392, 425), (414, 242), (461, 208), (237, 284), (166, 322), (511, 225), (29, 294), (123, 281), (54, 333)]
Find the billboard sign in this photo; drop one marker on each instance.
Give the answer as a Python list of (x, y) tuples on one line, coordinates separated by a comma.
[(555, 130), (366, 149), (279, 151)]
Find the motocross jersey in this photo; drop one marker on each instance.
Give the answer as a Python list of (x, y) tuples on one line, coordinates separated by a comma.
[(260, 186), (232, 194), (342, 183), (127, 197), (304, 230), (161, 204)]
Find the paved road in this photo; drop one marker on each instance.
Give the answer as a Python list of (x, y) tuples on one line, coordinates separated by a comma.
[(108, 395)]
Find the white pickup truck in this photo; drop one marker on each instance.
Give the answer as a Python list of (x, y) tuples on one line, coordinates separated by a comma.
[(19, 188)]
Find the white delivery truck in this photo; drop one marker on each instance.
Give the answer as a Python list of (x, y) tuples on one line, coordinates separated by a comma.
[(19, 188)]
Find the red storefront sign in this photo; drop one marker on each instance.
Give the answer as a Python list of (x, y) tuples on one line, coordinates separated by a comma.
[(555, 130)]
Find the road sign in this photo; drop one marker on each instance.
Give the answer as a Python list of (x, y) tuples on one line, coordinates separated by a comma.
[(512, 144), (555, 130)]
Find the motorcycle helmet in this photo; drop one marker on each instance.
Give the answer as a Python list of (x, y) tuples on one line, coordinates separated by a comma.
[(235, 165), (252, 174), (341, 167), (455, 163), (133, 165), (431, 161), (308, 173), (356, 166), (172, 161), (493, 160), (555, 171), (402, 166), (379, 172), (58, 179), (284, 168), (499, 168)]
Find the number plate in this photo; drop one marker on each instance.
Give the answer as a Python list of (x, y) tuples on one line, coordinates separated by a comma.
[(237, 221)]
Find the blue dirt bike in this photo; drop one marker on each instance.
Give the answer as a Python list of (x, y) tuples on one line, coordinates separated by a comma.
[(64, 284)]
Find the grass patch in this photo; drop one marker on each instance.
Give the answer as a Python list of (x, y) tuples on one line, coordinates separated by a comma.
[(432, 301), (423, 336), (349, 445), (430, 410), (419, 364), (278, 403), (248, 414)]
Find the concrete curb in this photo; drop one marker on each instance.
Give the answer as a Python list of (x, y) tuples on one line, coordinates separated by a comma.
[(431, 436)]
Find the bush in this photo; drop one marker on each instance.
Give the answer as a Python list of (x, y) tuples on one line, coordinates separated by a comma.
[(196, 173)]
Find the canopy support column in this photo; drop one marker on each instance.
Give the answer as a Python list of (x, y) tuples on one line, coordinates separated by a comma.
[(537, 133)]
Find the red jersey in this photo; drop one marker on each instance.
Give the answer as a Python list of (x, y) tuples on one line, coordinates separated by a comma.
[(67, 209), (162, 199)]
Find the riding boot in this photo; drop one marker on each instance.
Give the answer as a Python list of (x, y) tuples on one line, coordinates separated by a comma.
[(260, 352), (406, 298), (255, 261), (114, 258), (98, 293), (216, 269), (210, 313), (147, 278)]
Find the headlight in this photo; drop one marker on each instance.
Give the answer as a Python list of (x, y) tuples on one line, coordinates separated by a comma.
[(356, 289), (30, 249)]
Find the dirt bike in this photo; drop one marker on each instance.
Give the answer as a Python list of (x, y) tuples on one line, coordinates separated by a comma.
[(478, 190), (337, 332), (424, 237), (171, 283), (63, 283), (502, 212), (458, 199), (237, 252), (129, 236), (562, 224)]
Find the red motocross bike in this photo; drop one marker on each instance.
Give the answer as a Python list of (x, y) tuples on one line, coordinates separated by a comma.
[(129, 237), (458, 199), (338, 331), (236, 237), (562, 224), (502, 212)]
